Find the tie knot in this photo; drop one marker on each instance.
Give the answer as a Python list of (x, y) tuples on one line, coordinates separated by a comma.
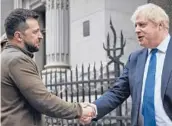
[(154, 51)]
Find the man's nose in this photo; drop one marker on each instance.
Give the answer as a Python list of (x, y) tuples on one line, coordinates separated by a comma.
[(137, 29), (40, 35)]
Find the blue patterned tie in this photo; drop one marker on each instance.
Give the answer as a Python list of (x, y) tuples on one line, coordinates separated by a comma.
[(148, 109)]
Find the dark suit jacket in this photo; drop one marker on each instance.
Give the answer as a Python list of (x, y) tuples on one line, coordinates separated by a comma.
[(130, 83), (23, 95)]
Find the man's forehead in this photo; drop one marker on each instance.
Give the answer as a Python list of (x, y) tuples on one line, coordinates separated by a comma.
[(141, 19), (32, 21), (33, 24)]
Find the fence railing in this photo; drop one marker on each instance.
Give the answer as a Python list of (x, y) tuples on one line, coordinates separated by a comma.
[(84, 86)]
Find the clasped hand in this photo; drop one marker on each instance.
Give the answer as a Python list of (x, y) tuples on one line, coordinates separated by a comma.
[(88, 113)]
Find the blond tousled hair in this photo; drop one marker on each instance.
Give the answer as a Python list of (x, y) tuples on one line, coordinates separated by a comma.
[(153, 13)]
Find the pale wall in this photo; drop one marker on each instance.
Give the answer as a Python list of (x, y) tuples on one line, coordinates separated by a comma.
[(87, 49), (6, 7), (90, 49)]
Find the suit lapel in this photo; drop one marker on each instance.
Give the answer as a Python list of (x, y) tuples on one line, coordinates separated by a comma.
[(140, 65), (166, 69), (141, 61)]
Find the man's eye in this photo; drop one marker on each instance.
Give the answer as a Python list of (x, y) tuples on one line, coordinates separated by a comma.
[(35, 32), (142, 25)]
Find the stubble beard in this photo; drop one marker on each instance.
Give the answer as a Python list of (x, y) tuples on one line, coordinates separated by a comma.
[(30, 47)]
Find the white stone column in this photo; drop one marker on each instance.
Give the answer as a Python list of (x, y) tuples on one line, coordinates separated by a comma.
[(57, 33), (17, 4)]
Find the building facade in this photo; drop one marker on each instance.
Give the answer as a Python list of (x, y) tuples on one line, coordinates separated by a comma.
[(75, 30)]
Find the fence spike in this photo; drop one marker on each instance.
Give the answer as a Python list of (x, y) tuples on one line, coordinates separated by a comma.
[(76, 73), (82, 72)]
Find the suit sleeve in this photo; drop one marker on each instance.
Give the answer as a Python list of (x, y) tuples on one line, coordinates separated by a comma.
[(114, 96), (27, 80)]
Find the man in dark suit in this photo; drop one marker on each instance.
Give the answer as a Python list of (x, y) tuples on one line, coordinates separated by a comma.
[(147, 76)]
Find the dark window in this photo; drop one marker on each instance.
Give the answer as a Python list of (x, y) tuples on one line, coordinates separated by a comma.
[(86, 28)]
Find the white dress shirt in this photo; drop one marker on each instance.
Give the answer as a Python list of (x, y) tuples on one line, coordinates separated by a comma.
[(160, 115)]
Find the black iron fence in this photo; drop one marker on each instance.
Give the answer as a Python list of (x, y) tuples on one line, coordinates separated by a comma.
[(87, 83), (84, 86)]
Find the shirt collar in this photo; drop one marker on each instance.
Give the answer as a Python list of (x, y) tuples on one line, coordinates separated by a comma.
[(162, 47)]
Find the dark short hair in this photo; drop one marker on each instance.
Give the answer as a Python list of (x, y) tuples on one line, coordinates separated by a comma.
[(16, 21)]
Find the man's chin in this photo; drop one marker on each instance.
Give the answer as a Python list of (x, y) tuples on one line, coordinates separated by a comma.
[(33, 50), (36, 50), (141, 43)]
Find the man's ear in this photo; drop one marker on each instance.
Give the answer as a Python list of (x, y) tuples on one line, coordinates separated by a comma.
[(18, 36)]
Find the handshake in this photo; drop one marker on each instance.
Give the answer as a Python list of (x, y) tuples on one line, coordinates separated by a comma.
[(89, 111)]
